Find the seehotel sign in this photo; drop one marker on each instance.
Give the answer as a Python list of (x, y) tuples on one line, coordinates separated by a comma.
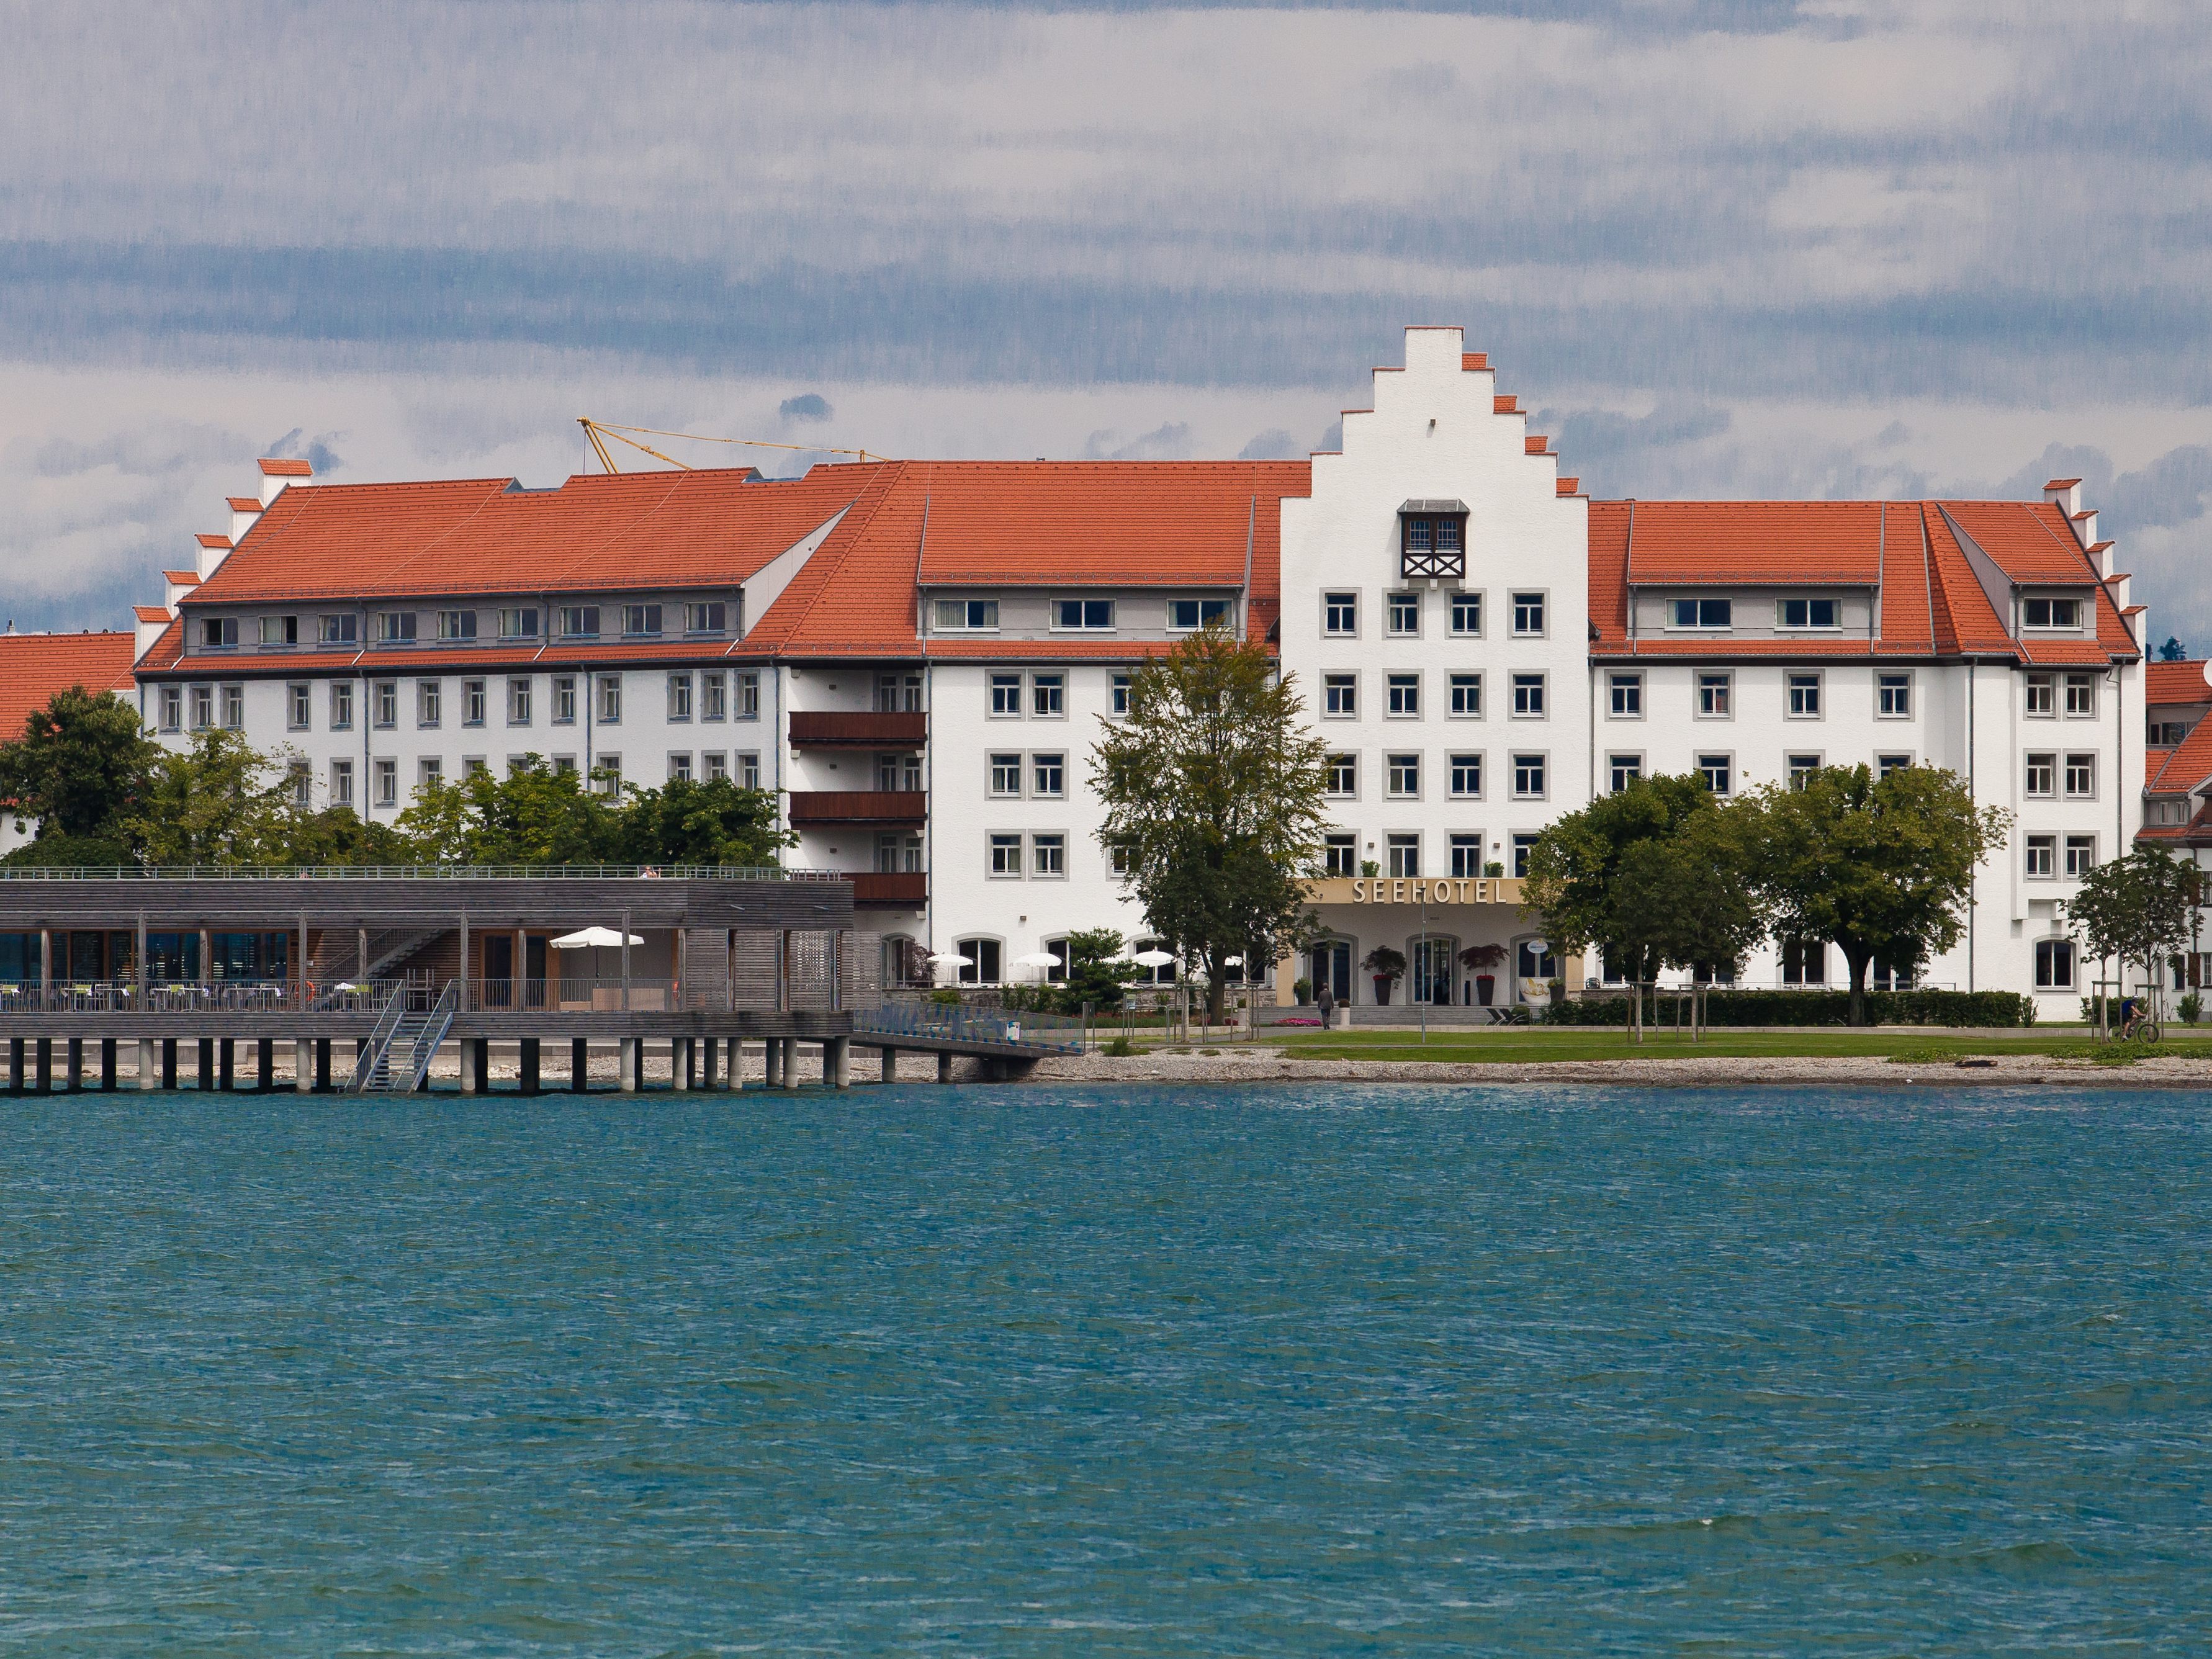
[(1415, 890)]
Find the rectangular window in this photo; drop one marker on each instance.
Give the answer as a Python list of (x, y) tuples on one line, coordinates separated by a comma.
[(714, 765), (748, 686), (679, 696), (1884, 764), (1807, 613), (1801, 769), (1339, 614), (1340, 697), (395, 628), (2043, 855), (299, 707), (518, 702), (337, 631), (679, 766), (1466, 776), (519, 623), (173, 709), (1006, 773), (473, 702), (1120, 687), (1524, 844), (608, 774), (2054, 964), (706, 617), (1621, 770), (2042, 778), (1467, 615), (749, 769), (233, 708), (1627, 691), (1467, 697), (611, 700), (640, 621), (1186, 615), (579, 622), (1404, 852), (474, 766), (1048, 696), (1344, 775), (202, 707), (219, 633), (965, 615), (1528, 697), (457, 626), (2051, 613), (1048, 855), (341, 783), (2081, 776), (713, 694), (387, 783), (2041, 705), (1893, 697), (1465, 856), (898, 694), (1713, 695), (1048, 776), (280, 630), (1528, 615), (342, 705), (564, 700), (429, 775), (1089, 615), (1804, 962), (1005, 697), (1719, 772), (1404, 614), (429, 703), (1405, 695), (1339, 855), (1529, 783), (1704, 613), (2081, 696), (1804, 697), (2081, 856), (1402, 777)]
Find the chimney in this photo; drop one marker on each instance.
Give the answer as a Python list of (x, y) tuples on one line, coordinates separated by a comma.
[(180, 582), (152, 621), (244, 511), (278, 475), (213, 550), (2065, 493)]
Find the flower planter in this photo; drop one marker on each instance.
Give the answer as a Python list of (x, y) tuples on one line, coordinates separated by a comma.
[(1485, 986), (1383, 982)]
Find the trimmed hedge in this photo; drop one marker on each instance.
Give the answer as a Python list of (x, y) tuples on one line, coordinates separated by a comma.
[(1812, 1008)]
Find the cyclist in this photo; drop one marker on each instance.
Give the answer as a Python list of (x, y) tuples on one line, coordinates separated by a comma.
[(2132, 1016)]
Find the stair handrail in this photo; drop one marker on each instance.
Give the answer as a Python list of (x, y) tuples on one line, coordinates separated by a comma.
[(379, 1039), (432, 1037)]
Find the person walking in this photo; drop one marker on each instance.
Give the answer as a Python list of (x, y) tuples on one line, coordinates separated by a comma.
[(1327, 1001)]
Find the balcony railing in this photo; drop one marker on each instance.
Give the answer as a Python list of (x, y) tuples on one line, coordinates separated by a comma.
[(863, 729), (810, 807), (886, 887)]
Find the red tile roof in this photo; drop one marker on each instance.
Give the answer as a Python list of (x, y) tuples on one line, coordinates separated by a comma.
[(207, 540), (244, 503), (1729, 542), (2187, 766), (182, 579), (35, 666), (2176, 682), (1469, 360), (275, 469), (1505, 404), (2029, 541), (150, 613)]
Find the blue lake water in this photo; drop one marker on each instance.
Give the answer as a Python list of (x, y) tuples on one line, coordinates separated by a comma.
[(1027, 1371)]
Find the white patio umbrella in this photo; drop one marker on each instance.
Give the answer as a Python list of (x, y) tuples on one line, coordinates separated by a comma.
[(1044, 959), (951, 959), (593, 939), (1153, 958)]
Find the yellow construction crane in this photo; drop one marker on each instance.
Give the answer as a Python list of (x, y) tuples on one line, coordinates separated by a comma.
[(596, 433)]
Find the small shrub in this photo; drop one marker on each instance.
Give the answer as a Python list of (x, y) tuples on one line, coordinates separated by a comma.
[(1120, 1048), (2191, 1008), (1302, 989), (947, 998)]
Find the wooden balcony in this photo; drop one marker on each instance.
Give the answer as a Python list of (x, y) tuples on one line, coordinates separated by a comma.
[(812, 806), (907, 890), (863, 730)]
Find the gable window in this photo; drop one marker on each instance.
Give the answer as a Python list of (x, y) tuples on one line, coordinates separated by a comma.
[(1186, 616), (579, 622), (2051, 613), (1088, 614), (706, 617), (641, 620), (1432, 539), (1404, 776), (1405, 615), (1704, 613), (1807, 613), (1528, 697), (1343, 775), (1465, 776), (1405, 696), (1467, 615), (1529, 777), (457, 626)]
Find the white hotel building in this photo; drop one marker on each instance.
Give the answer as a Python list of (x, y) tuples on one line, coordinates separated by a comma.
[(918, 655)]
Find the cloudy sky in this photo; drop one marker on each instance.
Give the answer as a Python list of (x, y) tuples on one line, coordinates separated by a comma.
[(1726, 247)]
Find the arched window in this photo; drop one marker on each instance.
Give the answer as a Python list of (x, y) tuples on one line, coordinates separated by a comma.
[(983, 961)]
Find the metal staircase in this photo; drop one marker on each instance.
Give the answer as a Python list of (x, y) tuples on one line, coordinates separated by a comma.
[(405, 1042), (337, 960)]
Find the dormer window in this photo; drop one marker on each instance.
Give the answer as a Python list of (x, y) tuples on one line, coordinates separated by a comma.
[(2051, 613), (336, 630), (1432, 539), (1093, 615), (280, 630), (395, 628), (706, 617), (1704, 613), (965, 616), (1188, 616), (218, 633), (1807, 613), (457, 626), (520, 623), (640, 621), (579, 622)]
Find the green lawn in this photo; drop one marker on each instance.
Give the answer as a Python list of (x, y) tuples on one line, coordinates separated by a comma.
[(1517, 1045)]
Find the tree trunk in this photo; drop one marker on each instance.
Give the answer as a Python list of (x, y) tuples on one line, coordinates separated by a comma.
[(1857, 964)]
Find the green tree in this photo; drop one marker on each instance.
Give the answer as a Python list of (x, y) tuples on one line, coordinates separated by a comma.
[(714, 821), (331, 838), (2172, 651), (1213, 789), (1684, 901), (218, 801), (1096, 971), (534, 815), (80, 768), (2138, 909), (1884, 867), (1576, 868)]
